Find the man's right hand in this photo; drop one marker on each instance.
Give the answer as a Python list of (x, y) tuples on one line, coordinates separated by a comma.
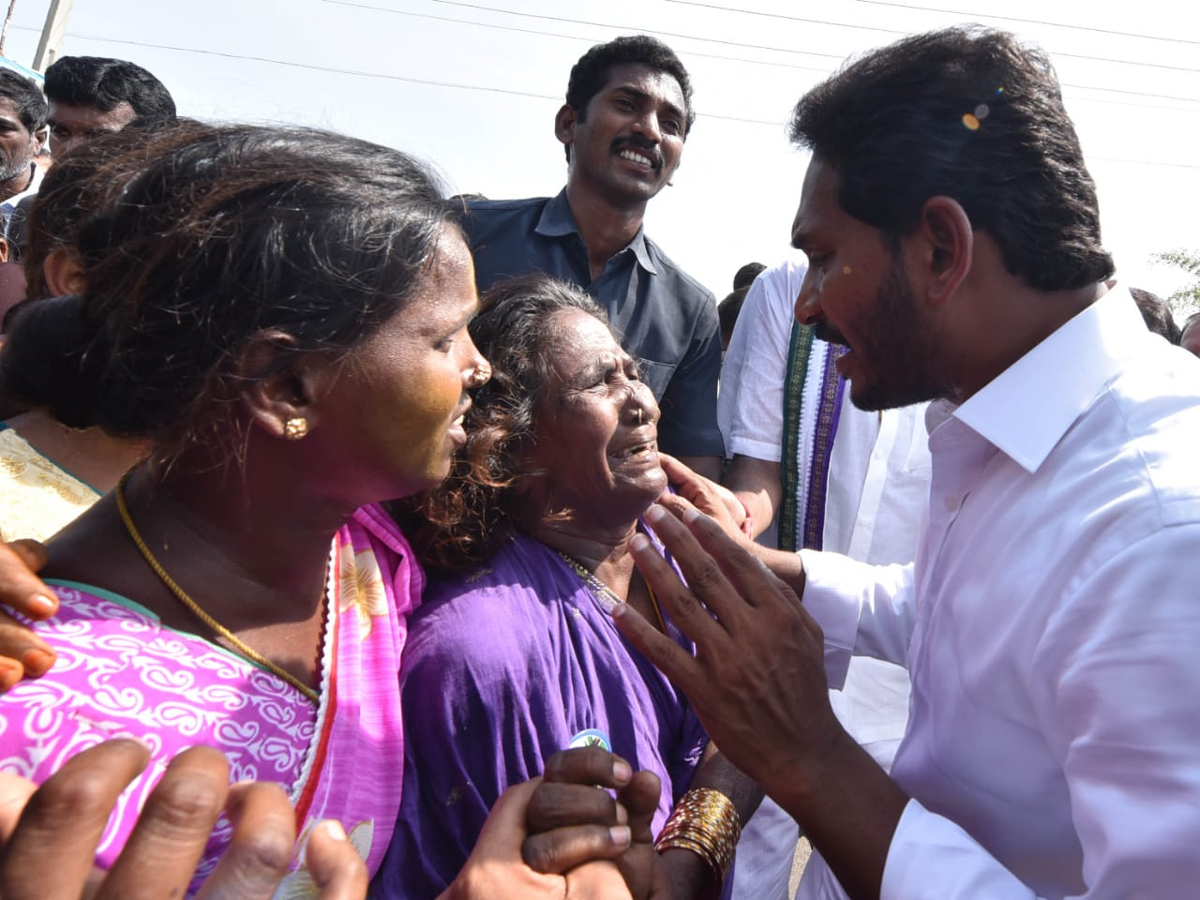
[(22, 653)]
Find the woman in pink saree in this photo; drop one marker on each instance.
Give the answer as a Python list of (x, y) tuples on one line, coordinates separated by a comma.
[(281, 315)]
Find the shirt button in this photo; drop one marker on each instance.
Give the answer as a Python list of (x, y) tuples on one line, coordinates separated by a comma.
[(952, 504)]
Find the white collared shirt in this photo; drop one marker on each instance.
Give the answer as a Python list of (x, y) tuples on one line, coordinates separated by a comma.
[(1051, 625), (9, 204)]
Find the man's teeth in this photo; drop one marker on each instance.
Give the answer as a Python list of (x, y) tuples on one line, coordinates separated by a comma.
[(637, 158)]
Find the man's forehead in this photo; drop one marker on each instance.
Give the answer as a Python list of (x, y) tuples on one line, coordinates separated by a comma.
[(8, 110), (643, 79), (84, 114), (820, 188)]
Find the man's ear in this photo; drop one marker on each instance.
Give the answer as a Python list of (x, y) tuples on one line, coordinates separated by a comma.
[(38, 138), (564, 125), (949, 247), (63, 272), (282, 385)]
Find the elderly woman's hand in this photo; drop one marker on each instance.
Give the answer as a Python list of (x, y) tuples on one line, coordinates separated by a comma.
[(50, 833), (556, 838), (22, 653), (573, 818)]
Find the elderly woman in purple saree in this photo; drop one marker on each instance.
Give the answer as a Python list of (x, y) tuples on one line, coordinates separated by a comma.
[(514, 655)]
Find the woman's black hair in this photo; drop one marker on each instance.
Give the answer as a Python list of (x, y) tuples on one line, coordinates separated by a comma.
[(243, 230)]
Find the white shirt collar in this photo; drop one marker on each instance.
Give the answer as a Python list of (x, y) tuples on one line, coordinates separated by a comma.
[(1064, 373)]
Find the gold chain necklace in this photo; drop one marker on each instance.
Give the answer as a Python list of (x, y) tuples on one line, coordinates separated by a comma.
[(590, 579), (243, 648)]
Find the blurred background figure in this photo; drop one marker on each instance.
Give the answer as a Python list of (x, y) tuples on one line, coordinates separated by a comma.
[(1157, 315)]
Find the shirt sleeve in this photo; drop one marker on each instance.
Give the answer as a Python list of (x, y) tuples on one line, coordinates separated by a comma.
[(689, 404), (1112, 683), (751, 398), (864, 610)]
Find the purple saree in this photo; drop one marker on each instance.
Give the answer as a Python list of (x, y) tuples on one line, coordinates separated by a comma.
[(504, 667)]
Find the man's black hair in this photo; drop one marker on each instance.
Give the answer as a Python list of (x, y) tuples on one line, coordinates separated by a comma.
[(591, 73), (967, 113), (26, 98), (105, 84)]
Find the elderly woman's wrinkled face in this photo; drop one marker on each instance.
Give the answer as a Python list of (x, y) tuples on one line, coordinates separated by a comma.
[(596, 440)]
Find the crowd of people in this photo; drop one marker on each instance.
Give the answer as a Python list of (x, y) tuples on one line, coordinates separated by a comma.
[(406, 546)]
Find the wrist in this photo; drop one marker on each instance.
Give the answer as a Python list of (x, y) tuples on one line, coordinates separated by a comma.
[(747, 525)]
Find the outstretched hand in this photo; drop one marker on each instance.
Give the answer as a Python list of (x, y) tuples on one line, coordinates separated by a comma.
[(50, 833), (22, 653), (757, 680)]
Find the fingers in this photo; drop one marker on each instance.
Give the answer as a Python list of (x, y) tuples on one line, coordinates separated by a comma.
[(50, 854), (677, 472), (161, 855), (260, 849), (560, 805), (666, 655), (570, 819), (20, 589), (640, 798), (336, 867), (588, 765), (705, 580), (15, 792), (22, 653)]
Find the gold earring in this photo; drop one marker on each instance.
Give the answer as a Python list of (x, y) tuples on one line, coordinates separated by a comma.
[(295, 428), (641, 415)]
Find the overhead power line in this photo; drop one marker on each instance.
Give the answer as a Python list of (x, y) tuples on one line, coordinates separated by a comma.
[(772, 15), (1090, 28), (478, 24), (497, 90)]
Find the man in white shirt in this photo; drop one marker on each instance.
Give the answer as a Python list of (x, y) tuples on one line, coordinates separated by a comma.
[(1049, 622), (854, 482)]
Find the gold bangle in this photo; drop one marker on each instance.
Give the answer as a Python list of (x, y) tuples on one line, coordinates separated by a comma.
[(706, 823)]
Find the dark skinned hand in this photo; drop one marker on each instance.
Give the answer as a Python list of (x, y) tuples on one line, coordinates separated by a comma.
[(50, 833), (572, 819), (22, 653)]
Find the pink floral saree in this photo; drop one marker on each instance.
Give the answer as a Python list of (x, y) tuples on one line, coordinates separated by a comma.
[(120, 672)]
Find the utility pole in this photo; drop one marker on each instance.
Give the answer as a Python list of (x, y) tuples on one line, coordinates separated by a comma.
[(52, 34), (4, 34)]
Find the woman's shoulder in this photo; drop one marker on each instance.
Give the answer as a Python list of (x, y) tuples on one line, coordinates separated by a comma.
[(490, 615)]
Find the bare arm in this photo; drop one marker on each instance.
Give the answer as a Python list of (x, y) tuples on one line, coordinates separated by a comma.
[(708, 466), (756, 482)]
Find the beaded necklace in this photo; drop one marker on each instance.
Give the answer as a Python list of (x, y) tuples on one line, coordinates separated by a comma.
[(596, 585), (243, 648)]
